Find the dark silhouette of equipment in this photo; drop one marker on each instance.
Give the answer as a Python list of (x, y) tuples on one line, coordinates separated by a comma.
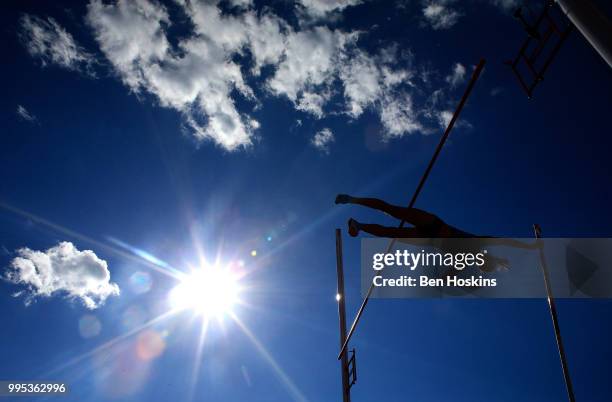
[(544, 39), (531, 30), (352, 369), (347, 367), (553, 315), (430, 166)]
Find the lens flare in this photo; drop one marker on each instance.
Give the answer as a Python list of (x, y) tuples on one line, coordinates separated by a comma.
[(141, 282), (150, 345), (89, 326)]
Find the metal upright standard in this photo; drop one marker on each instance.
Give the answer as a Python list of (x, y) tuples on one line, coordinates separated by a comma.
[(449, 128), (344, 362), (553, 315)]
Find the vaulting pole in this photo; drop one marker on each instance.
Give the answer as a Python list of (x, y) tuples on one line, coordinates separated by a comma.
[(553, 315), (346, 392), (449, 128)]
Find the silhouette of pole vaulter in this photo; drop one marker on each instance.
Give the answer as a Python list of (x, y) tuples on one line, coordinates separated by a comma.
[(427, 226)]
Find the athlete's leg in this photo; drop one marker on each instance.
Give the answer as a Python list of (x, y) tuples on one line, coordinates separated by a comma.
[(414, 216), (382, 231)]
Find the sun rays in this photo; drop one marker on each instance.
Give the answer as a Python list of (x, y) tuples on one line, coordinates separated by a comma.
[(210, 294)]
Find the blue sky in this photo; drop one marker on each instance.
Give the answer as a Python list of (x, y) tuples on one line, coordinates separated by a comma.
[(153, 133)]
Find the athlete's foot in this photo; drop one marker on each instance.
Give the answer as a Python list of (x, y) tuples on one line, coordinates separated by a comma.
[(343, 199), (353, 227)]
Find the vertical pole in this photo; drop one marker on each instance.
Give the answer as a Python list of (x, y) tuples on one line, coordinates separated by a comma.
[(553, 314), (346, 393)]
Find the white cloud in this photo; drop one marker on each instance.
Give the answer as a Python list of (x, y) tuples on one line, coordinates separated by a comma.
[(23, 113), (398, 116), (263, 34), (313, 103), (367, 79), (443, 14), (225, 31), (197, 80), (52, 44), (204, 73), (322, 8), (267, 39), (241, 3), (457, 76), (438, 109), (316, 58), (439, 14), (309, 65), (130, 34), (373, 82), (361, 79), (444, 117), (62, 270), (322, 139)]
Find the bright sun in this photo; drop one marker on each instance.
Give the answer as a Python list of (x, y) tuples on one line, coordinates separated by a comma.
[(210, 292)]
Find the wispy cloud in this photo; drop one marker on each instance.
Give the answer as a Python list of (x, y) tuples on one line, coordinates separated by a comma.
[(439, 14), (441, 103), (444, 14), (457, 76), (24, 114), (46, 40), (323, 139), (377, 82), (62, 270), (320, 9), (444, 117)]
